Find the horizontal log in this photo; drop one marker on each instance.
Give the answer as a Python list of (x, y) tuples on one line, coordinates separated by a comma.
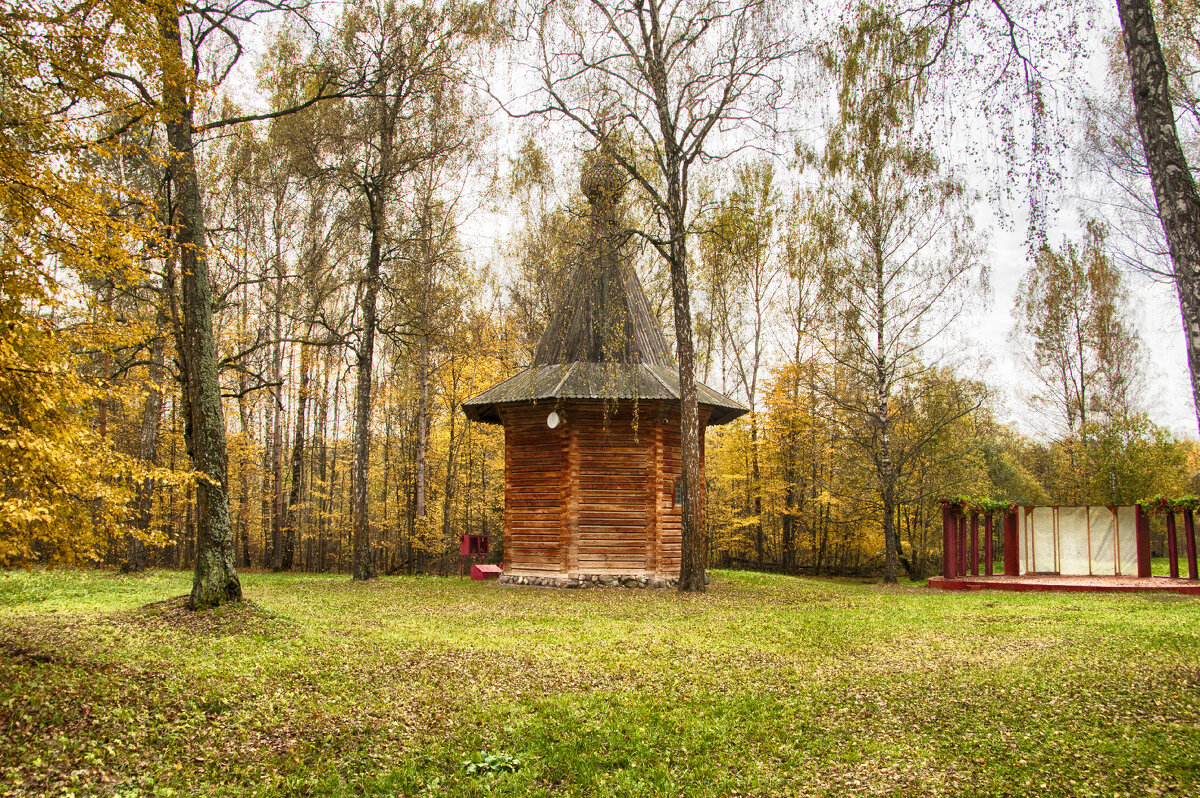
[(589, 516), (613, 565), (540, 469), (629, 546), (614, 530)]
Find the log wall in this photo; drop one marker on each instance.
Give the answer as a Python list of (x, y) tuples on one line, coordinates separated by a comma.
[(597, 494), (613, 511), (535, 461)]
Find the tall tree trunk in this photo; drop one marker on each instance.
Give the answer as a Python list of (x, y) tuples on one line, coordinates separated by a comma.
[(756, 504), (422, 425), (244, 408), (691, 566), (244, 504), (277, 443), (335, 529), (887, 495), (791, 492), (293, 504), (451, 472), (387, 471), (172, 519), (135, 556), (363, 565), (1174, 185), (886, 469), (410, 495), (265, 492), (322, 498), (215, 579), (823, 546)]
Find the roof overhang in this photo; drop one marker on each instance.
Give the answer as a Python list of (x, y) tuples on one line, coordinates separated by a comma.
[(597, 381)]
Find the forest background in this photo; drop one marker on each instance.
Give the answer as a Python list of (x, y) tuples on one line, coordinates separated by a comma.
[(386, 222)]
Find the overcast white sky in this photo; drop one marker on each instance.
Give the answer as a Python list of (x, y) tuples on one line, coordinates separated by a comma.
[(1153, 306)]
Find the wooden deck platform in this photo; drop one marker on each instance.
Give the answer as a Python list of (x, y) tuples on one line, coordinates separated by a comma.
[(1096, 584)]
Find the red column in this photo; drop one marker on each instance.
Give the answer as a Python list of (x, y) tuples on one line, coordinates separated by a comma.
[(949, 556), (1189, 537), (988, 555), (962, 545), (975, 544), (1012, 561), (1143, 542), (1172, 546)]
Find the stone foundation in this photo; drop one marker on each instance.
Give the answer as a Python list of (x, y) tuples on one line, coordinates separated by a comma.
[(592, 580)]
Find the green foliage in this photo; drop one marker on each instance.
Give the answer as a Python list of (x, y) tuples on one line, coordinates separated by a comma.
[(1010, 460), (1159, 504), (1155, 504), (1128, 457), (1186, 503), (485, 764), (970, 504)]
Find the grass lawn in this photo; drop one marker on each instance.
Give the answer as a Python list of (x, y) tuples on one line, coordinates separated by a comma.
[(767, 685), (1161, 566)]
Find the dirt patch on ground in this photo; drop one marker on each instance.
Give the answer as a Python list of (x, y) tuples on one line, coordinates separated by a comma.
[(237, 618), (22, 653), (47, 645)]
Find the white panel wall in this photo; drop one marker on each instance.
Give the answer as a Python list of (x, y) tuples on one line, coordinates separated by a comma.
[(1101, 542), (1040, 554), (1074, 551), (1127, 540), (1078, 541)]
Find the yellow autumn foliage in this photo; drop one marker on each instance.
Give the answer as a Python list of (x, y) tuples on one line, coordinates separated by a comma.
[(63, 487)]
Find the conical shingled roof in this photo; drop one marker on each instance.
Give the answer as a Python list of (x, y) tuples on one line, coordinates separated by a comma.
[(605, 319), (603, 342)]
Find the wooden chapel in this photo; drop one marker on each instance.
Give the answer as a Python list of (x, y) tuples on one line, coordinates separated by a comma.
[(591, 428)]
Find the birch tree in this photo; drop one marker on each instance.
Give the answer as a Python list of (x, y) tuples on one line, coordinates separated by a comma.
[(1080, 348), (1174, 184), (1155, 102), (907, 251)]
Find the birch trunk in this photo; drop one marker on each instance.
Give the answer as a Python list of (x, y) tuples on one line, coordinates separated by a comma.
[(451, 473), (292, 525), (422, 427), (265, 490), (135, 557), (277, 444), (1174, 186), (756, 493), (363, 565), (886, 468), (691, 566), (244, 508)]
